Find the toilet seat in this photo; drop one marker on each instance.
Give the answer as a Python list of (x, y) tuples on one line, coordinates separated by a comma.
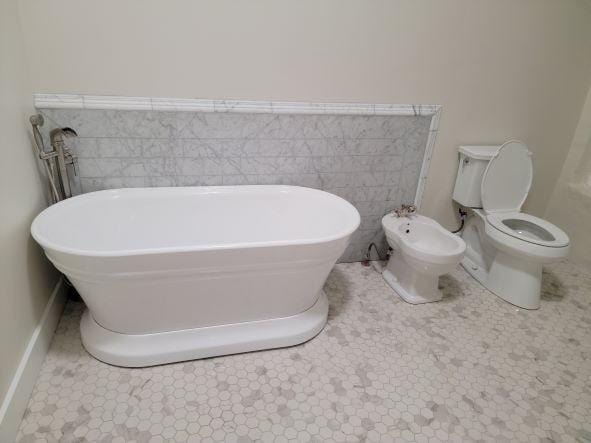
[(505, 185), (507, 179), (529, 229)]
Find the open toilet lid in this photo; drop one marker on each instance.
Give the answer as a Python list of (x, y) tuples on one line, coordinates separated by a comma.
[(507, 178)]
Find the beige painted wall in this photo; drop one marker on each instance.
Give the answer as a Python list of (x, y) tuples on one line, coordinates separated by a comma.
[(501, 68), (26, 277), (570, 204)]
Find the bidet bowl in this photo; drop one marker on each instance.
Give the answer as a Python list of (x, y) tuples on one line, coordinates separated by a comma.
[(430, 243), (423, 240)]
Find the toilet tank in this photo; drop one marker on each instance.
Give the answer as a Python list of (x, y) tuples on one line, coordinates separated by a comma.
[(473, 162)]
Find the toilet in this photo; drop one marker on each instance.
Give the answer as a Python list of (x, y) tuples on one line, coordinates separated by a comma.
[(422, 251), (505, 248)]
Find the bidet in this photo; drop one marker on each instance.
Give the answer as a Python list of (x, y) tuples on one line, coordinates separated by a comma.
[(422, 251)]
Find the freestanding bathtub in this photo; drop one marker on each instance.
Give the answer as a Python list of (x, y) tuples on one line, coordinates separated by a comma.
[(172, 274)]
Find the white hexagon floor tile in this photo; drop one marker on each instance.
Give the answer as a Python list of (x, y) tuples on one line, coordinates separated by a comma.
[(469, 368)]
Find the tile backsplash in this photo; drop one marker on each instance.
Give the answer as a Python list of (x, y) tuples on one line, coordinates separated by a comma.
[(374, 161)]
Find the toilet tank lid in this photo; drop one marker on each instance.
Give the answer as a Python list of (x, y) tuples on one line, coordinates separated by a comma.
[(479, 152)]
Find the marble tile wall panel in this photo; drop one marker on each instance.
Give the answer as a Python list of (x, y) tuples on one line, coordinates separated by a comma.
[(373, 161)]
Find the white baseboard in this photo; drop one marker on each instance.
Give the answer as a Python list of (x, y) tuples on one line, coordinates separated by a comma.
[(20, 389)]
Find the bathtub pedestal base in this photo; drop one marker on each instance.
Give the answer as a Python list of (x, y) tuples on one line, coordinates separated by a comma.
[(191, 344)]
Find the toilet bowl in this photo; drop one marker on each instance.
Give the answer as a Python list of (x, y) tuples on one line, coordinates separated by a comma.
[(505, 253), (505, 248), (422, 251), (526, 236)]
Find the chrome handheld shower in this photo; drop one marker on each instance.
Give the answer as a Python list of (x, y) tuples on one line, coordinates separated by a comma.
[(55, 160), (64, 156)]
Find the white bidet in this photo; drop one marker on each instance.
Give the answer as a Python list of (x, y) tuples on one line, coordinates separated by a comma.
[(423, 251)]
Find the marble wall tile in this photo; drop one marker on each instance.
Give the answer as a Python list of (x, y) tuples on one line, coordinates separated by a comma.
[(199, 180), (373, 161)]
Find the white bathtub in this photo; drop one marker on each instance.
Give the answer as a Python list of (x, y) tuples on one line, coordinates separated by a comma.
[(172, 274)]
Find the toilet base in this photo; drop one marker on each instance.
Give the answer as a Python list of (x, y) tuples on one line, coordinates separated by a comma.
[(412, 286), (512, 279)]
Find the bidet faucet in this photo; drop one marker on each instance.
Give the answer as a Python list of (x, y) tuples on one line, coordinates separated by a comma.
[(405, 210)]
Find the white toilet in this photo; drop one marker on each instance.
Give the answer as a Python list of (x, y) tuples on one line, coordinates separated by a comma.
[(422, 251), (505, 247)]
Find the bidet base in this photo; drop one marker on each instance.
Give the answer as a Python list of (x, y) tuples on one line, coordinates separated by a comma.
[(409, 297), (140, 350)]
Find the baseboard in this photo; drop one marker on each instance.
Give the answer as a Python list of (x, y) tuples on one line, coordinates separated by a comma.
[(21, 387)]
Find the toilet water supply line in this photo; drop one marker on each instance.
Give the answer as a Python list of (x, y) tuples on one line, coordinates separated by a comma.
[(463, 213)]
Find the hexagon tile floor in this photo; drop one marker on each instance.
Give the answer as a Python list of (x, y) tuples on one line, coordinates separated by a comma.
[(468, 368)]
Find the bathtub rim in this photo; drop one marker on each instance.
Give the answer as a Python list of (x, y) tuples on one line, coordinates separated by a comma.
[(50, 245)]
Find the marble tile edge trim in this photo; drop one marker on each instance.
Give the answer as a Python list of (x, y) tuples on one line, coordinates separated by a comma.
[(76, 101), (433, 128)]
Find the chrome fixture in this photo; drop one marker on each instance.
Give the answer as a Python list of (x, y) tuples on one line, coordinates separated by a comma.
[(405, 210), (55, 160), (64, 156)]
